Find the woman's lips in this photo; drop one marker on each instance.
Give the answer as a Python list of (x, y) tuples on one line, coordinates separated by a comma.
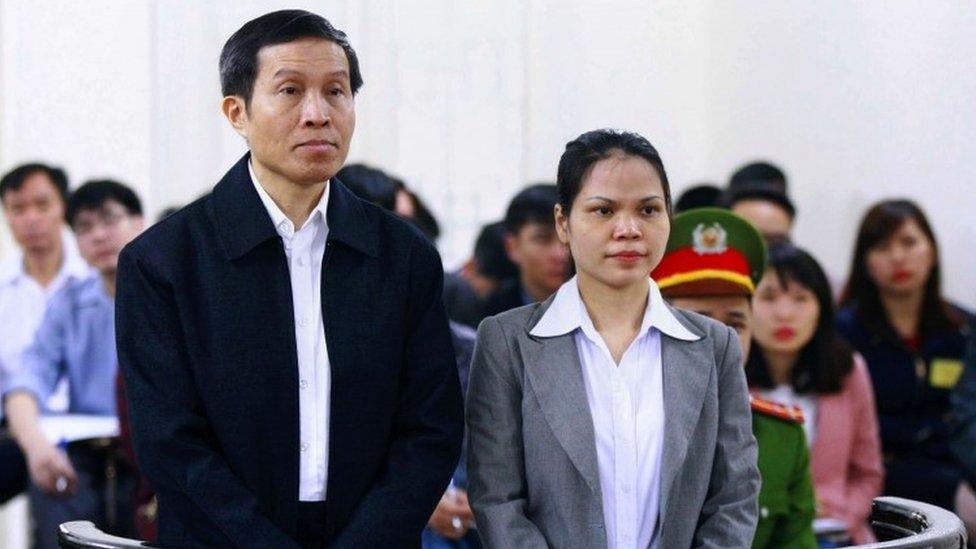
[(628, 257), (900, 275), (784, 334)]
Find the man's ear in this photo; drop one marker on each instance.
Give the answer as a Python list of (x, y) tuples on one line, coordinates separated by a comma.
[(511, 247), (235, 110)]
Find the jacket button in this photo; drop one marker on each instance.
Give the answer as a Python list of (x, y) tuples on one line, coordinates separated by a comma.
[(764, 512)]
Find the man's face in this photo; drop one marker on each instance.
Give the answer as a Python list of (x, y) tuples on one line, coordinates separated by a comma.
[(35, 212), (772, 221), (733, 311), (102, 233), (543, 260), (301, 116)]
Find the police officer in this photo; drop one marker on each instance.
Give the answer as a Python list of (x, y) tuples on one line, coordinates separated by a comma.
[(714, 260)]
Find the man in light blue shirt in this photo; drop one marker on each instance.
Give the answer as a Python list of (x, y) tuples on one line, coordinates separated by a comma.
[(76, 341)]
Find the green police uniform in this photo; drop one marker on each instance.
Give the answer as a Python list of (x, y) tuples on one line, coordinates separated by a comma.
[(713, 252), (786, 499)]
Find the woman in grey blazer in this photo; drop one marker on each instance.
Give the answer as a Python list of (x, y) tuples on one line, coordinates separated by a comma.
[(602, 417)]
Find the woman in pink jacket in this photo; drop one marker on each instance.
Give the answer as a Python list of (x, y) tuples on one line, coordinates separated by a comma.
[(798, 359)]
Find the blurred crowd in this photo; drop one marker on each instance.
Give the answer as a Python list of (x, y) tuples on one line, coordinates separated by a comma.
[(881, 366)]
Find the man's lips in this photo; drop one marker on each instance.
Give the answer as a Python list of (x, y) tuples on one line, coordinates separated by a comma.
[(318, 145), (784, 334)]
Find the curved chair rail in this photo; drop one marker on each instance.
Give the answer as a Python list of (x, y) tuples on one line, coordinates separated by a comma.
[(81, 534), (906, 524)]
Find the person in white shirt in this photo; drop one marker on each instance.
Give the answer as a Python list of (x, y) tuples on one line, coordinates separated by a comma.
[(33, 198), (602, 417)]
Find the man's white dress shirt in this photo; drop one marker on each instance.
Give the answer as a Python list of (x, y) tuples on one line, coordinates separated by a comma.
[(22, 304), (626, 402), (305, 250)]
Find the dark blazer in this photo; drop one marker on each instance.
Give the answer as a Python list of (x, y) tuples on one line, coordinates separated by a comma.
[(206, 340), (913, 409)]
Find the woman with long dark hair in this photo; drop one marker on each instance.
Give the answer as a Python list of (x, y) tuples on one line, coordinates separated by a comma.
[(798, 359), (602, 417), (913, 339)]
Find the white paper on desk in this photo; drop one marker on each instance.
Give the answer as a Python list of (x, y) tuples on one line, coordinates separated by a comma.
[(72, 427)]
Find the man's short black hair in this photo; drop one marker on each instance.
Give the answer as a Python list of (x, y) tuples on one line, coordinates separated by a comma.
[(758, 175), (533, 204), (93, 195), (768, 194), (591, 147), (370, 184), (700, 196), (239, 58), (15, 178), (490, 254)]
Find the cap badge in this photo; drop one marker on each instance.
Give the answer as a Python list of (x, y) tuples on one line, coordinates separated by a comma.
[(710, 239)]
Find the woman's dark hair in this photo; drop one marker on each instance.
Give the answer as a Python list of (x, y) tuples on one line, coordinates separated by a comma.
[(591, 147), (825, 360), (490, 254), (239, 58), (879, 223)]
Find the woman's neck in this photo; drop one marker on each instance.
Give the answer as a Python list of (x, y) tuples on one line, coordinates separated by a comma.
[(780, 365), (903, 311), (613, 308)]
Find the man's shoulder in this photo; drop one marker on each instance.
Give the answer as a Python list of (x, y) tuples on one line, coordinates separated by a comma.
[(175, 233)]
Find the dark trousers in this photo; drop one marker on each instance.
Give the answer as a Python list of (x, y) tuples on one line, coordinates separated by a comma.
[(13, 470), (103, 496), (312, 532)]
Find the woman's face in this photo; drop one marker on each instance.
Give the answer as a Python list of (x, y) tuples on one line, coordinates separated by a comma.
[(618, 225), (784, 319), (901, 264)]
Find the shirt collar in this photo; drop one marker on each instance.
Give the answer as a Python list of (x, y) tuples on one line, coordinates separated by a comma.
[(281, 222), (72, 265), (568, 313)]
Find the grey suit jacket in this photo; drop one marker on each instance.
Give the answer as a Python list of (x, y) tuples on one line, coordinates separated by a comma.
[(532, 463)]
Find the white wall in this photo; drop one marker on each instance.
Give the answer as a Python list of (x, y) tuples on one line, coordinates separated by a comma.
[(470, 100)]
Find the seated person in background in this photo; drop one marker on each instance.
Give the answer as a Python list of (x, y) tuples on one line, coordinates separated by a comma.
[(758, 192), (759, 175), (964, 411), (713, 261), (533, 246), (913, 341), (798, 359), (705, 195), (76, 341), (34, 198), (466, 289)]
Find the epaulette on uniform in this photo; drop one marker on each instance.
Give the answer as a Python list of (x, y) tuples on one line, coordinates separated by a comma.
[(776, 410)]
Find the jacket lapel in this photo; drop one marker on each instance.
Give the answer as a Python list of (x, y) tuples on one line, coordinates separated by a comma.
[(686, 374), (555, 375)]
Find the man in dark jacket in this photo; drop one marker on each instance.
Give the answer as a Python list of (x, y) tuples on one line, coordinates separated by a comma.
[(287, 360)]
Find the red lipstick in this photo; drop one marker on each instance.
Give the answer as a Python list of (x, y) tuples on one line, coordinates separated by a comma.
[(784, 334), (900, 275)]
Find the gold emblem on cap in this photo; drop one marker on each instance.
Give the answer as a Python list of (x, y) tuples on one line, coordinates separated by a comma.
[(710, 239)]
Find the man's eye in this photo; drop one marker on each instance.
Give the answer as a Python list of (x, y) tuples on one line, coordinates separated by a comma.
[(289, 90), (603, 210)]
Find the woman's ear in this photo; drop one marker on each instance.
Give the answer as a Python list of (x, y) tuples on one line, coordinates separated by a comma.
[(562, 223)]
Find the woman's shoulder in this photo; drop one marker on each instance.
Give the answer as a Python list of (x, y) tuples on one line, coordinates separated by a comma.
[(510, 322)]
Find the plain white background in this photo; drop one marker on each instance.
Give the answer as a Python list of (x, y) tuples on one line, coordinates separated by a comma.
[(468, 100)]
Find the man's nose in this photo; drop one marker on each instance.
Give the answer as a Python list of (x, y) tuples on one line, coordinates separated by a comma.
[(315, 111)]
